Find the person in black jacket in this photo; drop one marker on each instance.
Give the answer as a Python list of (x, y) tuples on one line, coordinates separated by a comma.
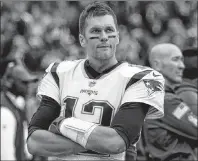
[(173, 137), (14, 86)]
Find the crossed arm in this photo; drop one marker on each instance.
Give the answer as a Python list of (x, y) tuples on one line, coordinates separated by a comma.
[(45, 143), (109, 140)]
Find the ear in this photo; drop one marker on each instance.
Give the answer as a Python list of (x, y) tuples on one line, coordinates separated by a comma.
[(82, 40), (157, 65)]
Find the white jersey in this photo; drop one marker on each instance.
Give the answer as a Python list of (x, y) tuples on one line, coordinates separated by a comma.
[(98, 100)]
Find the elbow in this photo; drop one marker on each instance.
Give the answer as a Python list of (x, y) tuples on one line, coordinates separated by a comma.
[(116, 149), (32, 146), (115, 146)]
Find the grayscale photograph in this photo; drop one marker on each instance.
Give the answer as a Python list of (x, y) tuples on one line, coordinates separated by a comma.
[(99, 80)]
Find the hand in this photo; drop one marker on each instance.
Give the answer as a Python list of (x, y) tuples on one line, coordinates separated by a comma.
[(55, 125)]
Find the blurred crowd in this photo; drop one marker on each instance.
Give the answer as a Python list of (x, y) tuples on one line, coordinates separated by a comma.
[(48, 31), (37, 33)]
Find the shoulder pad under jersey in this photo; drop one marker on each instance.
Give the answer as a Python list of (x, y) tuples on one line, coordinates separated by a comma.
[(128, 70), (63, 66), (60, 67)]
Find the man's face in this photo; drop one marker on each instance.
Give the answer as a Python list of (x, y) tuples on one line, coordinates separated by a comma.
[(24, 87), (21, 87), (172, 67), (100, 38)]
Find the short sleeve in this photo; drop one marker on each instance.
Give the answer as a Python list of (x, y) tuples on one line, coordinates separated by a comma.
[(148, 90), (48, 86)]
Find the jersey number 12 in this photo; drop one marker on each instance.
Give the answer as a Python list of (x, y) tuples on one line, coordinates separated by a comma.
[(97, 111)]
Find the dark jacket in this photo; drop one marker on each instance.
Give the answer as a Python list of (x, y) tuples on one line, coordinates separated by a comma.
[(173, 137)]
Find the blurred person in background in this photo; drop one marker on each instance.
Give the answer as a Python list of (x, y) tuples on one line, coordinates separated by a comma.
[(187, 90), (156, 17), (190, 61), (156, 20), (14, 85), (173, 137)]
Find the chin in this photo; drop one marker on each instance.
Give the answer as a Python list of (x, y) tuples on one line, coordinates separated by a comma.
[(107, 56), (104, 56), (179, 80)]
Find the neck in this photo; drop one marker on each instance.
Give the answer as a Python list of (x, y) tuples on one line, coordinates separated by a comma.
[(170, 84), (101, 65)]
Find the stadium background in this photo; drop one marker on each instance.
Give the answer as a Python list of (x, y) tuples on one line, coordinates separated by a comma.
[(48, 30), (41, 32)]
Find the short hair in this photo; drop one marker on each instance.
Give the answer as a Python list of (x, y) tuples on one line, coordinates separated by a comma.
[(95, 9)]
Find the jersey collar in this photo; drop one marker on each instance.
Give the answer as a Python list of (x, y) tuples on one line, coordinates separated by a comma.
[(92, 74)]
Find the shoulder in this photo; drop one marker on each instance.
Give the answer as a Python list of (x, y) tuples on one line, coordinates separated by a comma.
[(186, 86), (58, 69), (172, 101), (133, 68), (138, 72), (64, 66), (170, 94)]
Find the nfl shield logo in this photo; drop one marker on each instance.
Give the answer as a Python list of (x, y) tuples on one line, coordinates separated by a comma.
[(92, 83)]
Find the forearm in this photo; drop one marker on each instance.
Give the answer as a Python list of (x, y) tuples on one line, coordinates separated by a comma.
[(105, 140), (45, 143)]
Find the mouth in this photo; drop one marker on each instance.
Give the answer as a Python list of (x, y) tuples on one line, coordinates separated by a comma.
[(103, 46), (179, 74)]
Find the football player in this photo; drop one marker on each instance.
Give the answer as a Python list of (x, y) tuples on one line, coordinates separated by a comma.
[(100, 103)]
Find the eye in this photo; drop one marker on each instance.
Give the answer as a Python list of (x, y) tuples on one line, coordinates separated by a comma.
[(25, 82), (95, 31), (175, 59), (109, 30)]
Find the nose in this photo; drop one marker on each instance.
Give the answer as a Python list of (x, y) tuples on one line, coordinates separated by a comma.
[(181, 65), (103, 36)]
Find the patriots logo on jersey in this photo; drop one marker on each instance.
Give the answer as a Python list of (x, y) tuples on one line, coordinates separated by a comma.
[(153, 86)]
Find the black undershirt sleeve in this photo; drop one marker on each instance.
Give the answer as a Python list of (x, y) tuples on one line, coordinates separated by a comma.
[(129, 120), (48, 110)]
